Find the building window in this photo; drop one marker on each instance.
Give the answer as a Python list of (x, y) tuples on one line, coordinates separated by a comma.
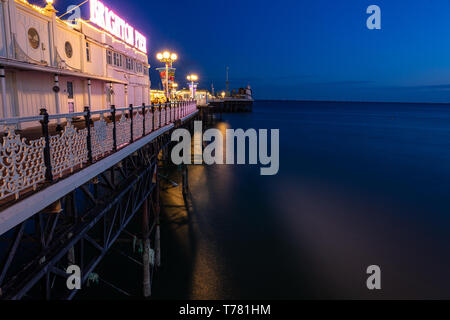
[(69, 89), (117, 59), (138, 67), (70, 102), (33, 38), (68, 49), (108, 57), (129, 64), (88, 52)]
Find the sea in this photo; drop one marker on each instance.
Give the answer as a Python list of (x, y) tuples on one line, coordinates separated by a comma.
[(359, 184)]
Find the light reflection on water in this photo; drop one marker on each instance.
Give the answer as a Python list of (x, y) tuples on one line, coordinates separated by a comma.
[(359, 184)]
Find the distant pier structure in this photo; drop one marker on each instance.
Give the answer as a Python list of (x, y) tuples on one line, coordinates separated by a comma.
[(240, 101)]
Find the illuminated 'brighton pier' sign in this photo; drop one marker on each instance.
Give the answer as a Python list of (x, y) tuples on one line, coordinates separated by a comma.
[(105, 18)]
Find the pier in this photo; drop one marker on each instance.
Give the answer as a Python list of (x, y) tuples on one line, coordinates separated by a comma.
[(240, 101), (69, 194), (227, 105), (83, 139)]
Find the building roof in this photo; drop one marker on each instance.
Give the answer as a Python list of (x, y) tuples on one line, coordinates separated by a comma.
[(43, 68)]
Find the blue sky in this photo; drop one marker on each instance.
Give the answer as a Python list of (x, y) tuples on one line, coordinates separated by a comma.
[(314, 50)]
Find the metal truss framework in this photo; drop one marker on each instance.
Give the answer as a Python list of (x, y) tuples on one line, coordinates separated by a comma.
[(81, 228)]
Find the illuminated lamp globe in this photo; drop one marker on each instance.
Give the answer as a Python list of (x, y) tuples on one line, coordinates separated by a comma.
[(174, 56), (166, 54), (159, 56)]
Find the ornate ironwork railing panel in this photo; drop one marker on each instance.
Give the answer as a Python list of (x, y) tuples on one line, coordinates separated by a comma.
[(137, 125), (163, 116), (102, 138), (68, 150), (148, 121), (123, 133), (156, 118), (21, 164)]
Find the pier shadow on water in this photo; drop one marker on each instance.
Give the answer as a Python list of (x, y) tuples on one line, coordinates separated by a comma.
[(227, 245)]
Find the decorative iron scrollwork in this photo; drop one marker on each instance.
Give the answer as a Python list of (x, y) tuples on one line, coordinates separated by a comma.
[(68, 150), (148, 121), (21, 164), (123, 133), (102, 138), (137, 126)]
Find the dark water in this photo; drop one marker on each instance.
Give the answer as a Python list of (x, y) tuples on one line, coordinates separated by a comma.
[(359, 184)]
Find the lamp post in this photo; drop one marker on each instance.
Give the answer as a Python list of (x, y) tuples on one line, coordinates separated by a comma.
[(192, 78), (168, 58)]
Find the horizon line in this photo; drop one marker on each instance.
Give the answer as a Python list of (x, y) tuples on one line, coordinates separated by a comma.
[(352, 101)]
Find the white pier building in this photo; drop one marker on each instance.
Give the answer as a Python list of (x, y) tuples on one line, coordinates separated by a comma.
[(63, 66)]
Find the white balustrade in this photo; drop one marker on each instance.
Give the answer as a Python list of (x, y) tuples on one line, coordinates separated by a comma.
[(23, 163)]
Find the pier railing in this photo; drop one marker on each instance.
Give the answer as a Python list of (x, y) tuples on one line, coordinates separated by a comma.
[(49, 151)]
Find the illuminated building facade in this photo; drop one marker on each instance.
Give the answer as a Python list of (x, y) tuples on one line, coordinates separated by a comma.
[(66, 65)]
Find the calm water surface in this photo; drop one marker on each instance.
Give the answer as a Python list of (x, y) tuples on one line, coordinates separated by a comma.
[(359, 184)]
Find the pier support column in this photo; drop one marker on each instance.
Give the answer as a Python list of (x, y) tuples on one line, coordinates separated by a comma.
[(146, 284), (185, 180), (71, 252), (157, 235), (185, 188)]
